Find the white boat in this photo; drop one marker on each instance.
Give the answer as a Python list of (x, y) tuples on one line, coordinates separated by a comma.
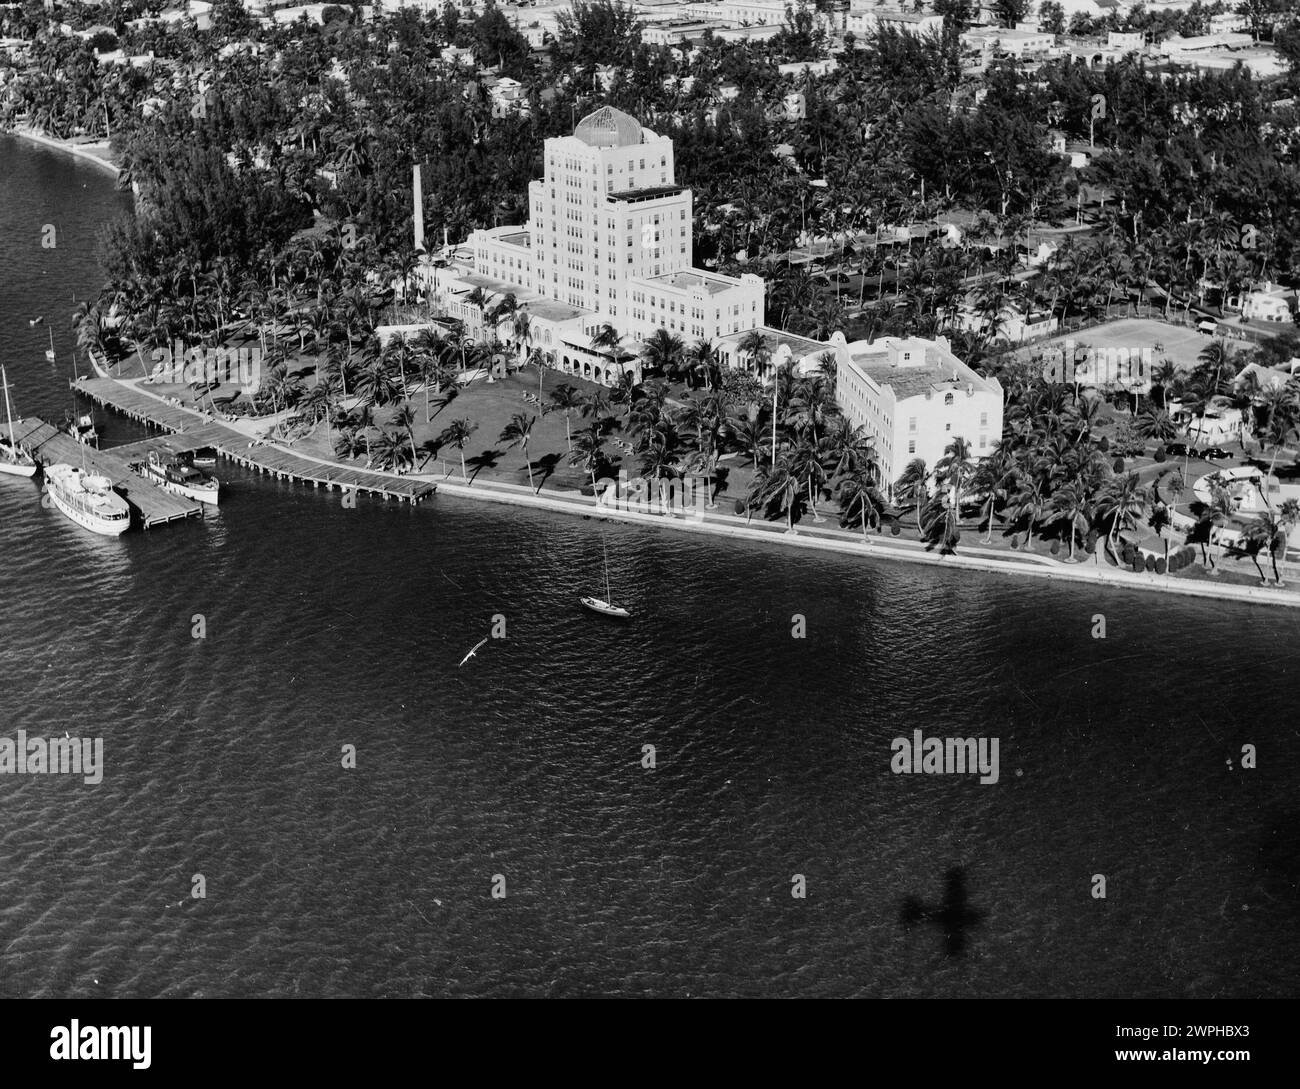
[(14, 461), (88, 499), (83, 430), (604, 607), (173, 475), (49, 352)]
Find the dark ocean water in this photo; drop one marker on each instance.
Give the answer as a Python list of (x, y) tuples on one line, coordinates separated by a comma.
[(329, 627)]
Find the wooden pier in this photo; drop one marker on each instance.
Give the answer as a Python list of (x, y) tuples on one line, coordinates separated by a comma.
[(151, 505), (190, 430)]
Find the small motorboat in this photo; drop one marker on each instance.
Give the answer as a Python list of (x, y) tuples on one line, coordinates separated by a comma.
[(605, 608)]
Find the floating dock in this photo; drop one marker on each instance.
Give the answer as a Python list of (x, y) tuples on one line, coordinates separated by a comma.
[(150, 505), (190, 430)]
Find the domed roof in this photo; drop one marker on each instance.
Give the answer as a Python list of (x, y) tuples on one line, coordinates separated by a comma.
[(608, 127)]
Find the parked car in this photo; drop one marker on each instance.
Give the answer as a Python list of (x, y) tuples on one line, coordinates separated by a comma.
[(1176, 449), (839, 277), (1214, 453), (1207, 325)]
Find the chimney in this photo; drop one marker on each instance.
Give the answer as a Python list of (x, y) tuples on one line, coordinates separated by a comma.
[(418, 201)]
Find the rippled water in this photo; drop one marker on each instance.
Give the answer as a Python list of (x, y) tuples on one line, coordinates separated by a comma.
[(329, 627)]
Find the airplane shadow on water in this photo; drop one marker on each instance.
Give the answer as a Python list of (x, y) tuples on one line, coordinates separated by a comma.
[(953, 917)]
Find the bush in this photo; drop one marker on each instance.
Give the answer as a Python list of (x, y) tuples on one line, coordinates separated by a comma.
[(1056, 548), (740, 506), (1015, 540), (1138, 565), (1103, 444), (1118, 465), (1161, 453), (895, 528), (1150, 562), (1160, 566)]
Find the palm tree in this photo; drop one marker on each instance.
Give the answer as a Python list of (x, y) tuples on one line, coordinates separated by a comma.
[(608, 341), (390, 451), (517, 432), (1070, 506), (590, 450), (858, 498), (911, 486), (403, 417), (663, 351), (952, 475), (457, 433), (990, 479), (755, 345), (1157, 425), (1123, 501), (568, 398), (782, 490), (1217, 513), (596, 404), (747, 432), (703, 358)]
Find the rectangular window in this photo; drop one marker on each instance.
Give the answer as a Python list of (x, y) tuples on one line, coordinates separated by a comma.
[(911, 446), (984, 419), (911, 423)]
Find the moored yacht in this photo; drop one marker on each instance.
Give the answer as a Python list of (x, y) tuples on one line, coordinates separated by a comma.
[(174, 475), (88, 499)]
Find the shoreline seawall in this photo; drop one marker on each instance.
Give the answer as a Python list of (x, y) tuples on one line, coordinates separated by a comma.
[(843, 543)]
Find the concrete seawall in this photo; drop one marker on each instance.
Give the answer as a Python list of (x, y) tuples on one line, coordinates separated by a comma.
[(844, 543)]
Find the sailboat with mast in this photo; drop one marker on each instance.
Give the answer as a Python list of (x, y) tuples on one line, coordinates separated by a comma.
[(14, 461), (49, 352), (605, 607)]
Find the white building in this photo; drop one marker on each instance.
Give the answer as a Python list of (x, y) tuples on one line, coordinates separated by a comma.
[(913, 396), (1266, 301), (998, 41), (608, 242), (864, 21)]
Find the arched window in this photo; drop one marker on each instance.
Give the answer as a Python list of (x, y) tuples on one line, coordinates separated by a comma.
[(947, 398)]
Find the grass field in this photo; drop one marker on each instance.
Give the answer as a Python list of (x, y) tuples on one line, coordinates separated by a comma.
[(1179, 343)]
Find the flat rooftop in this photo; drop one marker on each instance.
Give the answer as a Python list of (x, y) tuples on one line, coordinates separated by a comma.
[(941, 371), (646, 194), (799, 346), (688, 280)]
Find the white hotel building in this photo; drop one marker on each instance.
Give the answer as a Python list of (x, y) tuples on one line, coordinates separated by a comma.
[(913, 396), (608, 242)]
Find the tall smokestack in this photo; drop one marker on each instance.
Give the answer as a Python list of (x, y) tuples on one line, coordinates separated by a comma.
[(419, 208)]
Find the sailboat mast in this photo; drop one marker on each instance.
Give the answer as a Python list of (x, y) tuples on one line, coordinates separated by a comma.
[(9, 415), (605, 546)]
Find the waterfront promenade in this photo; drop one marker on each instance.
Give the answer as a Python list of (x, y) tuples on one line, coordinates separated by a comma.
[(190, 430)]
